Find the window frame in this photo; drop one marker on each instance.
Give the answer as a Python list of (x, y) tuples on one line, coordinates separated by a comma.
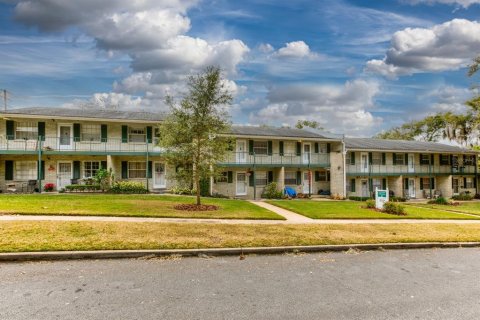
[(89, 126), (91, 170), (139, 128), (426, 183), (137, 170), (264, 149), (222, 178), (287, 180), (377, 182), (376, 158), (31, 132), (259, 181), (422, 161), (468, 184), (402, 156), (469, 160), (442, 160), (32, 175)]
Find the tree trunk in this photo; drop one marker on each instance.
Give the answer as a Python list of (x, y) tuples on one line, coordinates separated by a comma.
[(197, 183)]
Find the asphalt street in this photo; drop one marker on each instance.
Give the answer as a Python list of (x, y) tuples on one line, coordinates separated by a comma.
[(397, 284)]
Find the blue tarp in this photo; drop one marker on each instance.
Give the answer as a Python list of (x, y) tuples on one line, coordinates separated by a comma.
[(289, 191)]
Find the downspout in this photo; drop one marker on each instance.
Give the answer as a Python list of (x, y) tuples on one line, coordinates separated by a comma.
[(39, 165), (254, 178), (148, 168)]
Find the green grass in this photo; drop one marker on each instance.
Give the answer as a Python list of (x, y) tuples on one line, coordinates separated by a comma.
[(465, 207), (128, 205), (357, 210), (21, 236)]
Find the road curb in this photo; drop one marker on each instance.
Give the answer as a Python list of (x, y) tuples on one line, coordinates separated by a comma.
[(129, 254)]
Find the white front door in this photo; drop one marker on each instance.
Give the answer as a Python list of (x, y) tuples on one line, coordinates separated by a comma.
[(65, 134), (411, 188), (64, 174), (241, 152), (365, 192), (411, 163), (364, 162), (241, 189), (306, 152), (159, 180), (306, 182)]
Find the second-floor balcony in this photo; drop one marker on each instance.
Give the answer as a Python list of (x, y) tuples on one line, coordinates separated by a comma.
[(415, 169), (278, 159), (71, 145)]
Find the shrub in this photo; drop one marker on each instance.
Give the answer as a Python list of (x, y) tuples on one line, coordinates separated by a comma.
[(219, 195), (394, 208), (133, 187), (370, 204), (337, 196), (397, 199), (477, 196), (463, 197), (82, 188), (354, 198), (182, 190), (271, 191), (204, 187), (104, 178), (48, 187), (439, 200)]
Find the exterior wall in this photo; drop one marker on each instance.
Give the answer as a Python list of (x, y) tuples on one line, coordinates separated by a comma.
[(337, 173), (444, 186)]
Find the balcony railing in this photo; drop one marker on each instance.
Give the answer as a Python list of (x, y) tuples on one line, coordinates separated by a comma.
[(285, 159), (71, 145), (373, 169)]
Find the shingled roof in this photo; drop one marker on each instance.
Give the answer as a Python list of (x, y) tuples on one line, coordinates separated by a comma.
[(401, 145), (265, 131), (87, 113)]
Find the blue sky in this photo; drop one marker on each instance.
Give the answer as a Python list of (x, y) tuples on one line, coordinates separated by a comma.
[(357, 67)]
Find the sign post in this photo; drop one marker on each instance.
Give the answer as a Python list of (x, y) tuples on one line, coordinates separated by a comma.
[(381, 196)]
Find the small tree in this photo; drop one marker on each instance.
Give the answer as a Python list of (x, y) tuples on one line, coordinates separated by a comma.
[(193, 134)]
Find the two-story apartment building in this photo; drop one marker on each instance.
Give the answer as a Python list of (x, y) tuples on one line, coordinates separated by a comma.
[(66, 146), (412, 169)]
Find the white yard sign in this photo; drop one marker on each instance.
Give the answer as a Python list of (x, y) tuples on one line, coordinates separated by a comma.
[(381, 196)]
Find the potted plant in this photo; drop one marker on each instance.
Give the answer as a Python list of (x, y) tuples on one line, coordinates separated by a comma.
[(48, 187)]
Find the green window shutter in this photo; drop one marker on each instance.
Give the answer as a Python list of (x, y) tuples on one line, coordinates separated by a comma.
[(316, 148), (475, 182), (76, 169), (299, 149), (103, 165), (124, 134), (370, 158), (352, 158), (299, 178), (328, 175), (270, 176), (464, 182), (451, 159), (432, 183), (8, 170), (76, 132), (406, 159), (250, 146), (432, 159), (149, 134), (317, 176), (352, 185), (41, 170), (394, 158), (384, 158), (405, 184), (41, 130), (104, 133), (370, 185), (270, 147), (124, 169), (230, 176), (251, 179), (328, 148), (421, 183), (149, 169), (281, 147), (384, 183), (10, 129)]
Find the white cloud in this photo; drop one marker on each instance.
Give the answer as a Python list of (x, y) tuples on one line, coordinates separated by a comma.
[(447, 46), (265, 48), (294, 49), (338, 108), (463, 3)]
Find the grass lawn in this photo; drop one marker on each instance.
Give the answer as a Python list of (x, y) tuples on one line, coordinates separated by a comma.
[(465, 207), (356, 210), (59, 235), (128, 205)]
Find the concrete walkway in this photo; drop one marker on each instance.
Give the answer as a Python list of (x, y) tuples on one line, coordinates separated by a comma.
[(291, 217), (228, 221)]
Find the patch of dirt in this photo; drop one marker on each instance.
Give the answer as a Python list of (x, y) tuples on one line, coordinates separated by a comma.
[(194, 207)]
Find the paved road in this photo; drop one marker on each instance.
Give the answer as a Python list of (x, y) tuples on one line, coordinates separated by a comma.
[(414, 284)]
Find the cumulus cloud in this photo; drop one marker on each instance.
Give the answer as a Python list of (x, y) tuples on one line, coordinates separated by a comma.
[(463, 3), (151, 32), (447, 46), (339, 108), (294, 49)]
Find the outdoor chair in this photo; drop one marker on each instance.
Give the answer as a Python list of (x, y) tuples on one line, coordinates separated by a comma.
[(12, 187), (437, 194), (31, 186), (74, 181)]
